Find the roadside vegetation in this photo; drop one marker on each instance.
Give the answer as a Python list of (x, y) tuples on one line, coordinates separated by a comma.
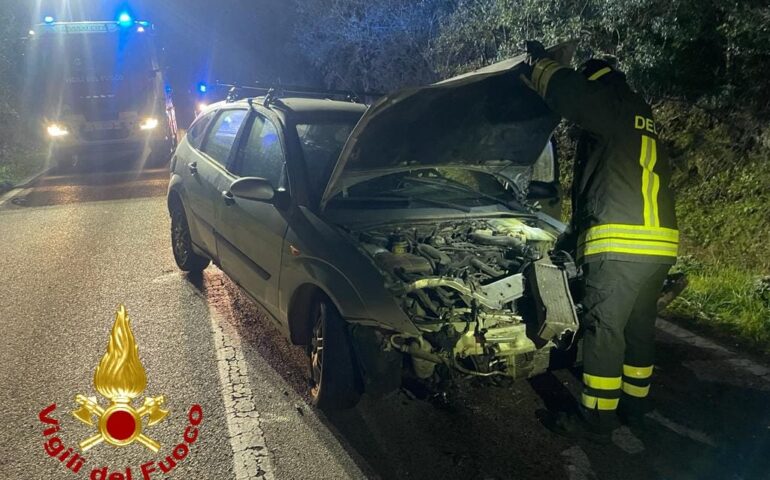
[(20, 156), (702, 64)]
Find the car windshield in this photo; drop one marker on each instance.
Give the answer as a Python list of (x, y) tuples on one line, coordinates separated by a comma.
[(321, 144), (457, 188)]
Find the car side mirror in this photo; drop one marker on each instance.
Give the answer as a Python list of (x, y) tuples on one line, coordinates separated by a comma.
[(253, 188)]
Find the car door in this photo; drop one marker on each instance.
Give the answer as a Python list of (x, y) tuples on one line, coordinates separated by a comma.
[(208, 176), (251, 239)]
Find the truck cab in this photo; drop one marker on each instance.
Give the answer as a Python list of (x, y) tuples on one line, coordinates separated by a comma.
[(97, 92)]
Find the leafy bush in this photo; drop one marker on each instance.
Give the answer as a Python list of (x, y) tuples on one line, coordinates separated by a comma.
[(724, 298), (14, 140)]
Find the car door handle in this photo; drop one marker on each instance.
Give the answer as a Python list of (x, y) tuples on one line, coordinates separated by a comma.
[(228, 197), (193, 167)]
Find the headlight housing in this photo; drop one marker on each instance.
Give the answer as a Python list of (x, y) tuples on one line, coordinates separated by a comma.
[(149, 123), (57, 130)]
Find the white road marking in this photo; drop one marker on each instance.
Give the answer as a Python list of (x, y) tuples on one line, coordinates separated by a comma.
[(625, 440), (731, 358), (578, 465), (687, 432), (13, 193), (251, 458), (727, 372)]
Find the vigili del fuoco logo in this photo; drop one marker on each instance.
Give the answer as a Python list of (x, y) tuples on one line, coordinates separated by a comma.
[(120, 378)]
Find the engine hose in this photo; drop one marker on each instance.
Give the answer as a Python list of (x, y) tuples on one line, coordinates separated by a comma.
[(477, 374), (497, 240), (486, 268), (434, 253), (510, 265), (426, 301)]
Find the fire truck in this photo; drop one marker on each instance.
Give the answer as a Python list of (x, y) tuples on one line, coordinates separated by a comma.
[(98, 93)]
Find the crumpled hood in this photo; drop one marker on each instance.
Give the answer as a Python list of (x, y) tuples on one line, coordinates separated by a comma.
[(487, 119)]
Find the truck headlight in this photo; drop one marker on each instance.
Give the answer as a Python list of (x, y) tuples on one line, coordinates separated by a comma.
[(149, 123), (56, 130)]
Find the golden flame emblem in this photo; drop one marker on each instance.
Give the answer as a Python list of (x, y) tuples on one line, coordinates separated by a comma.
[(120, 377)]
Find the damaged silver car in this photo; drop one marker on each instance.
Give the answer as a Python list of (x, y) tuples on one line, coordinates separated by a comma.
[(409, 239)]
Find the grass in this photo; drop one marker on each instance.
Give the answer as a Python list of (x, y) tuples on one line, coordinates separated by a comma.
[(727, 302), (19, 163)]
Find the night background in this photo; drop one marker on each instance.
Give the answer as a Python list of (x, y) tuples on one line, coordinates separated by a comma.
[(702, 65), (69, 240), (202, 41)]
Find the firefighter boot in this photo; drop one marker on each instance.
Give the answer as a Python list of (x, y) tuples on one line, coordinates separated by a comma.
[(632, 411), (593, 425)]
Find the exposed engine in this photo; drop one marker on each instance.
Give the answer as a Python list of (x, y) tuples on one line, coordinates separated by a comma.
[(486, 294)]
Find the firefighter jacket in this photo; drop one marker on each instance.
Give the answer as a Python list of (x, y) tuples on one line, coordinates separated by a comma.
[(622, 205)]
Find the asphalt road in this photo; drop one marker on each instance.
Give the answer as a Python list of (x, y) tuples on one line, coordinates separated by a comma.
[(75, 245)]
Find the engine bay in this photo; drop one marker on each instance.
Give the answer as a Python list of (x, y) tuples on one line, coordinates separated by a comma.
[(489, 295)]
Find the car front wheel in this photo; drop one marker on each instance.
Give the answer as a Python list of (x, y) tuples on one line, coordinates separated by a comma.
[(181, 244), (334, 384)]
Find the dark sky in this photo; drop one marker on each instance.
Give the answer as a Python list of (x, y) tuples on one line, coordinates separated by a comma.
[(204, 40)]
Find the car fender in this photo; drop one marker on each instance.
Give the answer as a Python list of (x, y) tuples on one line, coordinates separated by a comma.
[(317, 254)]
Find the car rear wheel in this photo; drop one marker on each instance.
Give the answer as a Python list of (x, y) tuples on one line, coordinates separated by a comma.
[(334, 384), (181, 244)]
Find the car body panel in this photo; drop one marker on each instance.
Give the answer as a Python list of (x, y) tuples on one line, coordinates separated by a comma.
[(488, 119), (323, 256)]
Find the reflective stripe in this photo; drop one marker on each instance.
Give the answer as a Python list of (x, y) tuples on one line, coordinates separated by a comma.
[(635, 248), (602, 383), (650, 181), (635, 232), (634, 391), (542, 73), (600, 73), (592, 402), (629, 239), (637, 372)]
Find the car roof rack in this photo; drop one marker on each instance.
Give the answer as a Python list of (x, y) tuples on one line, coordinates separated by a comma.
[(272, 93)]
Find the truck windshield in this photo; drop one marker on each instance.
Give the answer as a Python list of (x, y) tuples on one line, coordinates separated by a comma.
[(98, 75)]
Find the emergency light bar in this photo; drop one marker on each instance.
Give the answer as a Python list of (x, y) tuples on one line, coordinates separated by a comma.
[(86, 27)]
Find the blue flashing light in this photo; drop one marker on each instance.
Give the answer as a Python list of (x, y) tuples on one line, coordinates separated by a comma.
[(48, 19), (203, 88), (144, 23), (125, 20)]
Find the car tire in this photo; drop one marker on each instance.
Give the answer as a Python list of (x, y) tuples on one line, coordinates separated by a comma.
[(334, 381), (181, 244)]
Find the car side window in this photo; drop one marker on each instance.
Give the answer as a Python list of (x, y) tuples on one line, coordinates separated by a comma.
[(221, 137), (262, 156), (198, 128)]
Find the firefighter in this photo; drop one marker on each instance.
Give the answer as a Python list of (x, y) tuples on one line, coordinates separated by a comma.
[(623, 231)]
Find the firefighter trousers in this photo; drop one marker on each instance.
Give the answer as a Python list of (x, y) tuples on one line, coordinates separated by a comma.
[(620, 308)]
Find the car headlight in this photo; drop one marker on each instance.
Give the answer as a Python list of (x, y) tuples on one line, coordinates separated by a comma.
[(148, 123), (56, 130)]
